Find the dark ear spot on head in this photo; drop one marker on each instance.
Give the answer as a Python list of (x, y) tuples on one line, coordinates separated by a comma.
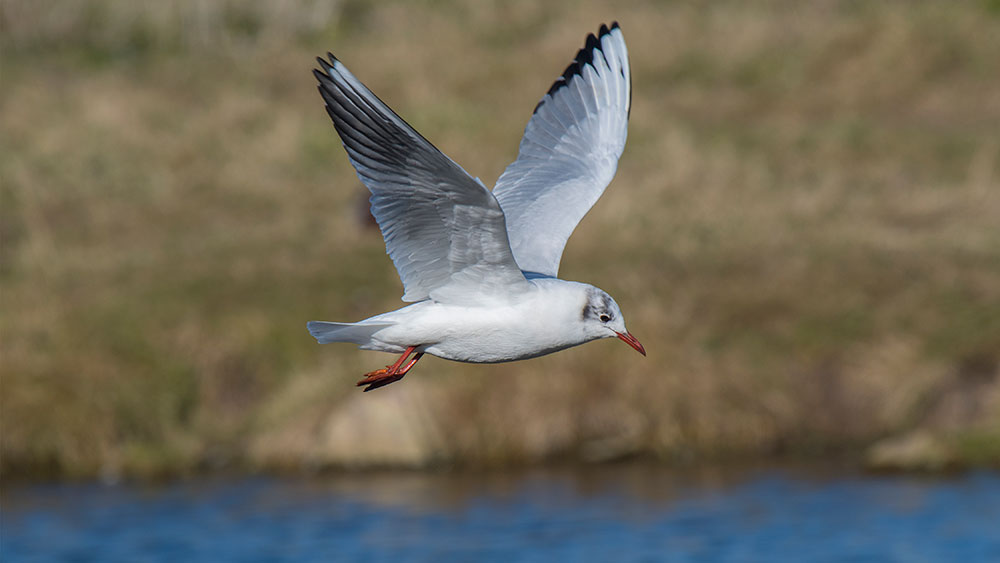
[(589, 310)]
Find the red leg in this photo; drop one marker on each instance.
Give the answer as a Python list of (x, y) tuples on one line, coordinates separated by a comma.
[(407, 367), (390, 374)]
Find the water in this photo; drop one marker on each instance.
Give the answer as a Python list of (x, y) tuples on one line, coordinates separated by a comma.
[(610, 513)]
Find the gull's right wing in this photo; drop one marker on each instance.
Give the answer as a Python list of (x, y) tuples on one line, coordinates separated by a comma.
[(569, 152)]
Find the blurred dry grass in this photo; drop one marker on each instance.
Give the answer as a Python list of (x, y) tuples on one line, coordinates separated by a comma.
[(803, 231)]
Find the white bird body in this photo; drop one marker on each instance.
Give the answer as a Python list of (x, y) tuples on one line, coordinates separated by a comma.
[(542, 320), (481, 266)]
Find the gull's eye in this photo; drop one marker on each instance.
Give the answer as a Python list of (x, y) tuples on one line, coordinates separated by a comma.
[(605, 318)]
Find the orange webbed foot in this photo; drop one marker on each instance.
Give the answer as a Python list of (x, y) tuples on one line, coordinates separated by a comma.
[(390, 374)]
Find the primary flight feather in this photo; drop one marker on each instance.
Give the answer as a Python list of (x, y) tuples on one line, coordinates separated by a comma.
[(481, 266)]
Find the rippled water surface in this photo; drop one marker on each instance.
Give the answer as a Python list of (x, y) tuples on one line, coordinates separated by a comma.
[(611, 513)]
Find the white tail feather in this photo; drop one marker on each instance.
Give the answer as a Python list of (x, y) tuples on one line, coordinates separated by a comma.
[(358, 333)]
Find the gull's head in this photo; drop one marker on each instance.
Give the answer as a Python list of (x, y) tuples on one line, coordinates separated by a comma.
[(602, 318)]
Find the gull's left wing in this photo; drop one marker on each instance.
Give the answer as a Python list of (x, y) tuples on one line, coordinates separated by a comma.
[(569, 152), (444, 231)]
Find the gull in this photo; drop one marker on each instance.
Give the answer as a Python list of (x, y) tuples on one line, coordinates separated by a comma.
[(480, 267)]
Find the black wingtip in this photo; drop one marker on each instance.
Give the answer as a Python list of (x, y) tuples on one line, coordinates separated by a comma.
[(584, 56), (323, 72), (325, 65)]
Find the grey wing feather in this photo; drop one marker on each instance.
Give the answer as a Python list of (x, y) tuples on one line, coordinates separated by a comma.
[(569, 152), (445, 232)]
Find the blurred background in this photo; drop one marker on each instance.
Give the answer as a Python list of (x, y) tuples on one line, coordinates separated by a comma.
[(804, 232)]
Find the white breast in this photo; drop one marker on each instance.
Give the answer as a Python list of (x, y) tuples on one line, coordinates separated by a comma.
[(538, 322)]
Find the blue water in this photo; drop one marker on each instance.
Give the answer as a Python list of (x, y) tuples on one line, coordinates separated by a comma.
[(611, 513)]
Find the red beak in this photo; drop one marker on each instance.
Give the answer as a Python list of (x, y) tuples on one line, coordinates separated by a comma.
[(631, 341)]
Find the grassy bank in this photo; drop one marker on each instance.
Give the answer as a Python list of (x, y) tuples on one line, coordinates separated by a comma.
[(803, 232)]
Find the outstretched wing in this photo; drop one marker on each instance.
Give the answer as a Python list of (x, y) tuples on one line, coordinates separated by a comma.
[(569, 152), (444, 231)]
